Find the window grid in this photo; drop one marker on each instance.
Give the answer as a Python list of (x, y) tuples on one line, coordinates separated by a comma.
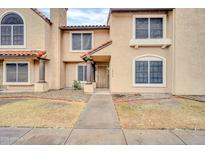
[(81, 37), (149, 27), (11, 34), (17, 72), (84, 73), (148, 72)]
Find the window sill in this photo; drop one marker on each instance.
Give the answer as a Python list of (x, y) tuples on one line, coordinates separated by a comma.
[(163, 43), (73, 51), (12, 46), (17, 84), (150, 85)]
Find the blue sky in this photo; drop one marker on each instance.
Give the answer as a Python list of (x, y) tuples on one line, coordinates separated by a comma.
[(83, 16)]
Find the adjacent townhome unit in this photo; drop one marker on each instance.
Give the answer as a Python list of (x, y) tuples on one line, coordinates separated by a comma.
[(137, 51)]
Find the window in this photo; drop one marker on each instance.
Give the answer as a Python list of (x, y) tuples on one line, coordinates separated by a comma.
[(16, 72), (82, 72), (149, 28), (11, 30), (81, 41), (149, 71)]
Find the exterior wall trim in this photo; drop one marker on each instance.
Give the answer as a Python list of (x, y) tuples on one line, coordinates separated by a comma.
[(149, 85), (17, 83), (70, 42), (76, 75), (164, 16)]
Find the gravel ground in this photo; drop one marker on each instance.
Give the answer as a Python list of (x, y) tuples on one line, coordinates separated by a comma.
[(64, 94)]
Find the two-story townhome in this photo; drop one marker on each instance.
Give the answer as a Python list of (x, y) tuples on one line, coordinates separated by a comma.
[(138, 51)]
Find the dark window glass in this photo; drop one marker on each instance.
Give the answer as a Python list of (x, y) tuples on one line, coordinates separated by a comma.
[(12, 25), (22, 72), (76, 41), (5, 35), (82, 73), (156, 73), (141, 72), (18, 35), (17, 72), (85, 73), (11, 73), (141, 28), (12, 18), (156, 27), (81, 41), (87, 40)]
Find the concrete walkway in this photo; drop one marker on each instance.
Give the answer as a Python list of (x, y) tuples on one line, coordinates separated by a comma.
[(99, 124)]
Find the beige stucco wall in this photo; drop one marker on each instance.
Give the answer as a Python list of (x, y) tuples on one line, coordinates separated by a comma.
[(35, 27), (41, 35), (100, 36), (71, 73), (122, 55), (1, 73), (189, 52), (37, 35)]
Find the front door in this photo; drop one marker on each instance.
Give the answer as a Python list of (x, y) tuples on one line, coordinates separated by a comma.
[(102, 76)]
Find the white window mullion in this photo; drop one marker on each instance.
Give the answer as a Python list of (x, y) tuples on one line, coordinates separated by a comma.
[(149, 28), (83, 73), (12, 34), (148, 72), (81, 41), (16, 72)]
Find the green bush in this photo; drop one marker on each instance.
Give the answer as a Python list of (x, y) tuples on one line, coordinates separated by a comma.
[(76, 85)]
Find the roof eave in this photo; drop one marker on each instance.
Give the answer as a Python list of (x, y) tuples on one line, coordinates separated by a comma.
[(40, 14), (124, 10), (72, 28)]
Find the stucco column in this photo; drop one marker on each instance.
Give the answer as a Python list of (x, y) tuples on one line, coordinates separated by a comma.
[(42, 70), (89, 67)]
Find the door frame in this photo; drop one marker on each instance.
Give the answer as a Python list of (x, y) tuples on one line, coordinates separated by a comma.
[(96, 74)]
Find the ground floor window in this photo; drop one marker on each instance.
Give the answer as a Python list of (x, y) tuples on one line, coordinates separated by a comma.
[(16, 72), (82, 72), (149, 70)]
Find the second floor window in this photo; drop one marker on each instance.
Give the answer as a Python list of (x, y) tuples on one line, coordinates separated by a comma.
[(81, 41), (148, 28), (11, 30)]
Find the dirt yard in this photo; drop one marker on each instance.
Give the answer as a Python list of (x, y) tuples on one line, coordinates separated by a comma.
[(137, 111), (39, 113), (55, 109)]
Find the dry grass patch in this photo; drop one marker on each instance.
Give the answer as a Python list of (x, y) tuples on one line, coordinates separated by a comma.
[(162, 113), (39, 113)]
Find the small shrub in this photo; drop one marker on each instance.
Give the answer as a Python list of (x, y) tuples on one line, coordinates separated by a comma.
[(76, 85)]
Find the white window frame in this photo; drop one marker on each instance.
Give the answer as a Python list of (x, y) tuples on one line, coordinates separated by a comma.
[(164, 18), (81, 64), (14, 46), (81, 32), (149, 57), (16, 83)]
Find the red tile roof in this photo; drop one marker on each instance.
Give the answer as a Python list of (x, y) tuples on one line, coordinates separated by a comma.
[(22, 53), (41, 15), (84, 27), (100, 47)]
